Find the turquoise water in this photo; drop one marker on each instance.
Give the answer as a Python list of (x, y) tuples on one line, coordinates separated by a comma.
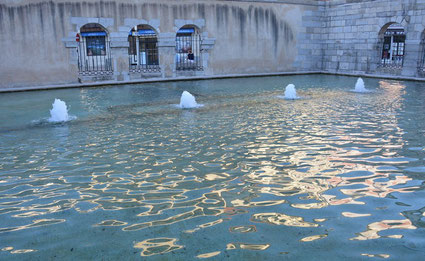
[(248, 176)]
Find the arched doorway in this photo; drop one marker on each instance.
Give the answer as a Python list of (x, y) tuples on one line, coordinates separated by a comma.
[(143, 49), (94, 53), (393, 39), (188, 49)]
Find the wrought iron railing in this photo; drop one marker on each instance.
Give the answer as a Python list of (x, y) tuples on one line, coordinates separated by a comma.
[(421, 64), (143, 54), (394, 63), (94, 56), (188, 53)]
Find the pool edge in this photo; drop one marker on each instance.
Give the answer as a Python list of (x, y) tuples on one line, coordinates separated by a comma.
[(197, 78)]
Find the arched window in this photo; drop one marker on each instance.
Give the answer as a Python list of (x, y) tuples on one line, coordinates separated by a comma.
[(94, 55), (188, 49), (394, 38), (143, 49)]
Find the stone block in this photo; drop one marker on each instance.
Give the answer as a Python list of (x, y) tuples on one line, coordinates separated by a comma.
[(346, 58), (167, 43), (340, 13), (200, 23), (70, 43), (349, 35), (316, 37), (106, 22), (167, 35), (338, 30), (78, 20), (308, 13), (120, 34), (350, 22), (347, 29), (305, 52), (316, 52), (125, 29), (155, 23), (351, 11), (344, 66), (419, 27), (311, 24), (72, 34), (133, 22), (318, 30), (119, 43), (208, 41)]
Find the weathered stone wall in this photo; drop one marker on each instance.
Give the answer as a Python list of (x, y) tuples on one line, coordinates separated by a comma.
[(37, 38), (351, 39), (310, 39)]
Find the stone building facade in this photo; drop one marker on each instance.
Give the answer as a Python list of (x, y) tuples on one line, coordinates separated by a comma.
[(65, 42), (354, 34)]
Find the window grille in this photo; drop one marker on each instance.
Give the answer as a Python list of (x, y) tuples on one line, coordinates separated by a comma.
[(421, 66), (393, 48), (188, 51), (143, 51), (94, 56)]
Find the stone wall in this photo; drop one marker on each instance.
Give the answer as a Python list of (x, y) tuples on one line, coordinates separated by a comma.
[(38, 47), (37, 38), (352, 37)]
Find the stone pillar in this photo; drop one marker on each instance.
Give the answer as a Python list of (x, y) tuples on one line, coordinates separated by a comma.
[(71, 44), (167, 53), (119, 53), (411, 58), (206, 46)]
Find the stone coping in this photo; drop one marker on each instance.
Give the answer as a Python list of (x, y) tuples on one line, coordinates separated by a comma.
[(153, 80), (296, 2)]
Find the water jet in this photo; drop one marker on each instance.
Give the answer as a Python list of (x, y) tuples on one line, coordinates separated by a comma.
[(59, 112), (188, 101)]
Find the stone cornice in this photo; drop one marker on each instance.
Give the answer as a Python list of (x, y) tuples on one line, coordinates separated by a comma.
[(292, 2)]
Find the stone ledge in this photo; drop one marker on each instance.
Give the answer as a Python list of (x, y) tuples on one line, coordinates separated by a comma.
[(172, 79), (151, 80)]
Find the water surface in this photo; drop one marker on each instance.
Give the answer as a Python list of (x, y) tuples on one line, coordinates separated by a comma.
[(248, 176)]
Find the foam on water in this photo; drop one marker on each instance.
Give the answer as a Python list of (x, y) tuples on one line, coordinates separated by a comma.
[(59, 112), (290, 93), (188, 101), (360, 87)]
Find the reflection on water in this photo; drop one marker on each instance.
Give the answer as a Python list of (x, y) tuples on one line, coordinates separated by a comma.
[(157, 246), (247, 246), (246, 175), (377, 255), (312, 238), (374, 228), (208, 255)]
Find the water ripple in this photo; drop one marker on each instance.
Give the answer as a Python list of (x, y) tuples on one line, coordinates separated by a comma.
[(236, 174)]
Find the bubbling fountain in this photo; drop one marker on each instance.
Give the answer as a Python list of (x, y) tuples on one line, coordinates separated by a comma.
[(290, 92), (360, 86), (187, 101), (59, 112)]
